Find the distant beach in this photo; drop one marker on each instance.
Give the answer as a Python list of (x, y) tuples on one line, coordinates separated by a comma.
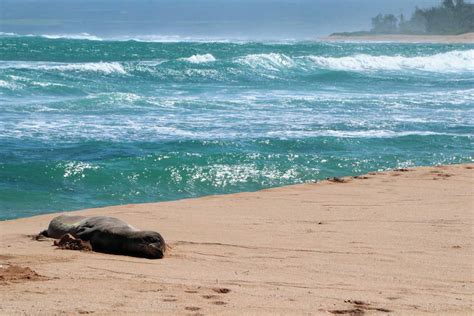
[(389, 242), (467, 38)]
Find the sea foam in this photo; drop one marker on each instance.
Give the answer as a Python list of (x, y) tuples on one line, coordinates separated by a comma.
[(104, 67), (452, 61), (271, 61), (80, 36), (198, 59), (107, 68)]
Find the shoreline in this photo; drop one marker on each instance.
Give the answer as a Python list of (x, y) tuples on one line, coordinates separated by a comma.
[(467, 38), (391, 241), (74, 211)]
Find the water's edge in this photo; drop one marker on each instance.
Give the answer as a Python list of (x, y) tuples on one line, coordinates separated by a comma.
[(369, 173)]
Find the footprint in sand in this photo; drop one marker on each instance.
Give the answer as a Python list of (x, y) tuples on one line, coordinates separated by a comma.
[(221, 290), (393, 298), (359, 308), (192, 308), (352, 311), (444, 175)]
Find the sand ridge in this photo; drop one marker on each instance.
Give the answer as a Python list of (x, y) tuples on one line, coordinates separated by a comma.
[(388, 242)]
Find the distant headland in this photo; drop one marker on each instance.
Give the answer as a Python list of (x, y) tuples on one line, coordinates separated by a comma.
[(451, 22)]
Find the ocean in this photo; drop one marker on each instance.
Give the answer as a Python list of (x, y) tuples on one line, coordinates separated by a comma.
[(89, 122)]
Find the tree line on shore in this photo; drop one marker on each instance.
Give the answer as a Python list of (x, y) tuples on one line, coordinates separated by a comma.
[(451, 17)]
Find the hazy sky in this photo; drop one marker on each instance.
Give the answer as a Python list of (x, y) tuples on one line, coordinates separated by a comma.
[(297, 19)]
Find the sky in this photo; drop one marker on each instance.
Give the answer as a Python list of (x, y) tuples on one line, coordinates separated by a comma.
[(246, 19)]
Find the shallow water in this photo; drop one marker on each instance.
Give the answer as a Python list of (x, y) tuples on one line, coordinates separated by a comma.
[(87, 122)]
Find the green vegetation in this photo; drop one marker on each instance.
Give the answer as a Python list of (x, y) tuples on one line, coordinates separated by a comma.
[(451, 17)]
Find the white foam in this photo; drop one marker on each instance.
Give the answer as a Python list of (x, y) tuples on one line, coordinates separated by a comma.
[(105, 67), (8, 85), (271, 61), (453, 61), (154, 38), (378, 133), (198, 59), (47, 84), (80, 36)]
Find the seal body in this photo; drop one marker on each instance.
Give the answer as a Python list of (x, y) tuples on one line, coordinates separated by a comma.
[(109, 235)]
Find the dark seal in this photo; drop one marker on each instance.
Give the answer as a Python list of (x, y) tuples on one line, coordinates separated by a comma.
[(108, 235)]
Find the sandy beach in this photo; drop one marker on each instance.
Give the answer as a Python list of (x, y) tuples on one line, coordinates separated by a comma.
[(467, 38), (396, 242)]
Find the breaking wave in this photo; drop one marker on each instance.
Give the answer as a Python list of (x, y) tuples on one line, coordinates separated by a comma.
[(103, 67), (450, 62), (80, 36), (198, 59), (453, 61), (272, 61), (136, 38)]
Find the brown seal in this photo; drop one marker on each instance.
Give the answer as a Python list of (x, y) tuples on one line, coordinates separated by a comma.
[(108, 235)]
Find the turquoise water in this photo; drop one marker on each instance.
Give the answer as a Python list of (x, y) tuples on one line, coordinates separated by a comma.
[(90, 122)]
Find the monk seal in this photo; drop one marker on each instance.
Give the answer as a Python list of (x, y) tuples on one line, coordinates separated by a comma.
[(108, 235)]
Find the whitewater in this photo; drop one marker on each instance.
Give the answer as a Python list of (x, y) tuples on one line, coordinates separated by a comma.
[(88, 121)]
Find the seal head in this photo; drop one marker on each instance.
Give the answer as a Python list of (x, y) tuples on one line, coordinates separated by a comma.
[(145, 244), (148, 243)]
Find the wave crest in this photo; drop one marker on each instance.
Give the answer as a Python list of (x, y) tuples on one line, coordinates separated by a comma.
[(453, 61), (271, 61), (104, 67), (107, 68), (198, 59), (80, 36), (446, 62)]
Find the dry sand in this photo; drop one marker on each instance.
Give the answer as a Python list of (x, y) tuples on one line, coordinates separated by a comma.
[(398, 241), (467, 38)]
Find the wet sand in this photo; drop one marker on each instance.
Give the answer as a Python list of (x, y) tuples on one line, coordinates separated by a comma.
[(396, 241)]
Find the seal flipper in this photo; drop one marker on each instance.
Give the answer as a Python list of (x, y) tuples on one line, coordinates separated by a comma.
[(68, 241)]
